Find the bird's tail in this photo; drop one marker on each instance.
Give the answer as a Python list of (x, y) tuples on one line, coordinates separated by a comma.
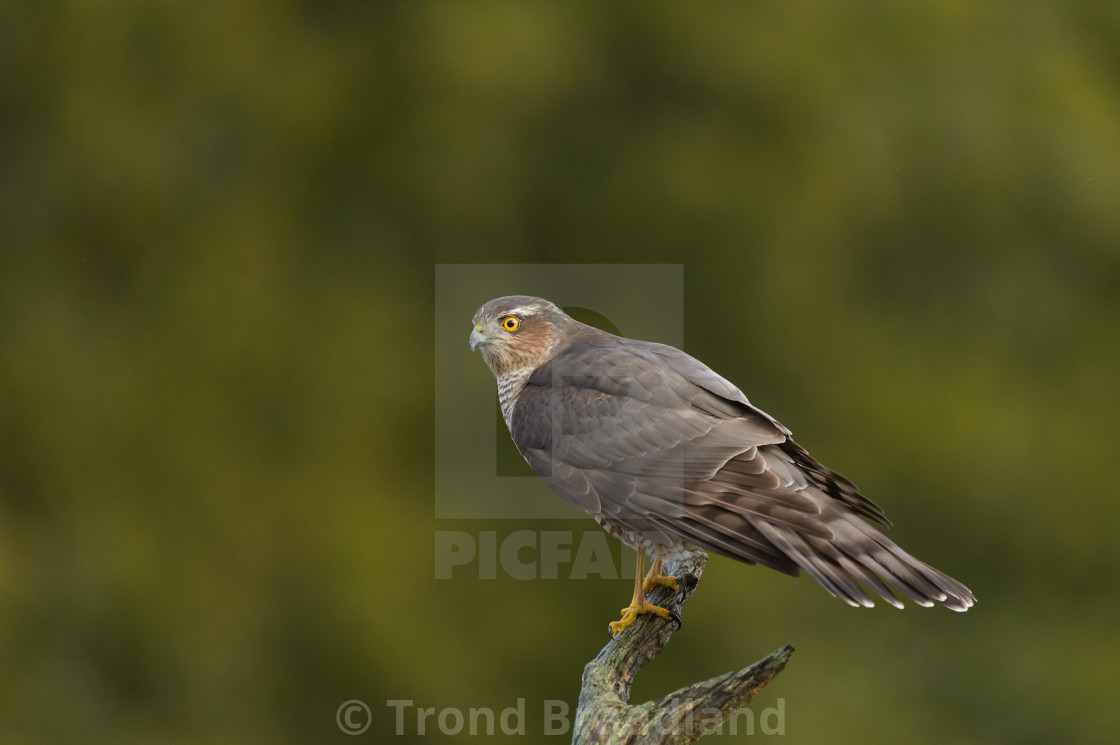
[(858, 555)]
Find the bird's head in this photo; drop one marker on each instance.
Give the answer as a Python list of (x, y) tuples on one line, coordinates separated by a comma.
[(517, 332)]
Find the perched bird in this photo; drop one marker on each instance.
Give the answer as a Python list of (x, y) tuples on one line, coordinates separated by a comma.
[(670, 457)]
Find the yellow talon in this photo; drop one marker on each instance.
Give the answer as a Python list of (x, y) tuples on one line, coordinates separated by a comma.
[(638, 605), (631, 613), (656, 579)]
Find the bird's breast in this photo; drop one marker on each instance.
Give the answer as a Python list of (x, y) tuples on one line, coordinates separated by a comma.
[(510, 386)]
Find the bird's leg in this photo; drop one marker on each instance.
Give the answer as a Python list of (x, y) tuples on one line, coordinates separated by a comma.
[(656, 579), (638, 604)]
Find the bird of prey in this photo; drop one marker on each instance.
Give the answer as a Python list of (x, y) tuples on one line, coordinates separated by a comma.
[(670, 457)]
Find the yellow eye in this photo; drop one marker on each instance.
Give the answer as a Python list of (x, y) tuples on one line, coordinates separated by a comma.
[(511, 323)]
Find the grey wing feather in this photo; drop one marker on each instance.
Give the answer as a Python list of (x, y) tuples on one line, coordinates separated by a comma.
[(647, 438)]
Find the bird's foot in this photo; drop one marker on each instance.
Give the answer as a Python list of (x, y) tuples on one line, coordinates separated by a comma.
[(639, 607), (660, 580)]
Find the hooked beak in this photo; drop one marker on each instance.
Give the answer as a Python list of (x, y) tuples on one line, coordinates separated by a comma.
[(478, 338)]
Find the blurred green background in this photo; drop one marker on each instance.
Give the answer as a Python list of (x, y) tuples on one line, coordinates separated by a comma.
[(219, 222)]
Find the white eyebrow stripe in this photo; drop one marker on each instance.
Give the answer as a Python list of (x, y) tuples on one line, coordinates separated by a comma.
[(524, 310)]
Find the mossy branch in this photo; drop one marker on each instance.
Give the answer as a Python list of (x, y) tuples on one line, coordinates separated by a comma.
[(605, 714)]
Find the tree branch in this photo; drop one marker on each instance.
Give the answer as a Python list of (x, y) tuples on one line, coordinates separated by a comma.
[(604, 714)]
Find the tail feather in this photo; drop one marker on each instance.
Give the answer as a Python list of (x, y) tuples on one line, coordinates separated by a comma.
[(861, 554)]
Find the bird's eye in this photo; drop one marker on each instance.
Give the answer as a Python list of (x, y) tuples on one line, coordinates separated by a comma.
[(511, 323)]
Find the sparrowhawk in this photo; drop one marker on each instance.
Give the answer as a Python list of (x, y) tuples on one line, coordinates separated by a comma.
[(670, 457)]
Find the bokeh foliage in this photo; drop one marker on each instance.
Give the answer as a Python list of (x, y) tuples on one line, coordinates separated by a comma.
[(900, 225)]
